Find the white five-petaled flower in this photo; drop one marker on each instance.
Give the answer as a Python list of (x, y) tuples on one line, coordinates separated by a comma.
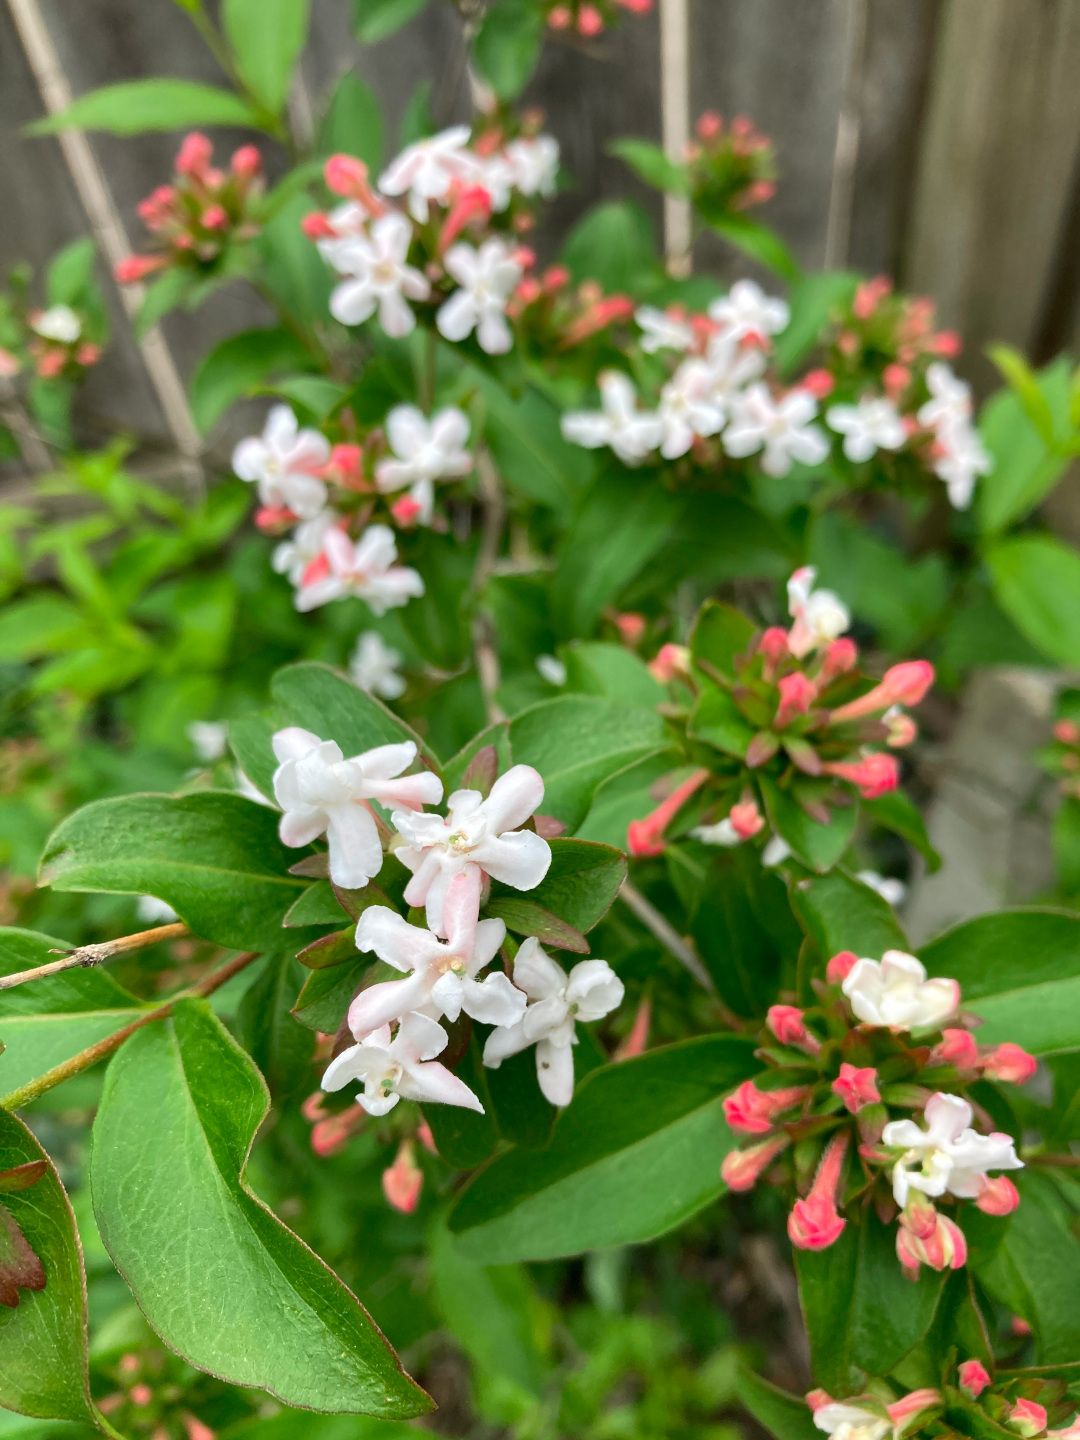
[(873, 424), (283, 462), (59, 323), (630, 432), (950, 397), (662, 330), (365, 569), (424, 451), (733, 366), (426, 170), (478, 834), (319, 790), (293, 556), (348, 222), (850, 1422), (556, 1001), (781, 427), (819, 615), (962, 458), (402, 1068), (896, 992), (688, 408), (891, 890), (379, 277), (443, 977), (374, 666), (534, 164), (721, 833), (747, 310), (209, 738), (949, 1155), (487, 278)]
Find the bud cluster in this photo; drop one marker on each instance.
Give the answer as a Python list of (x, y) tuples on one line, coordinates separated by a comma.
[(60, 342), (156, 1395), (589, 18), (729, 168), (1062, 757)]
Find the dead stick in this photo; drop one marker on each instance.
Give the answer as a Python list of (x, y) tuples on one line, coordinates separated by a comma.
[(666, 933), (89, 955)]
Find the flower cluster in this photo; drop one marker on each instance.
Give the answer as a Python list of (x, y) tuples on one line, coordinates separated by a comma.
[(58, 342), (882, 1039), (195, 219), (794, 712), (395, 1024), (1062, 757), (729, 169), (589, 17)]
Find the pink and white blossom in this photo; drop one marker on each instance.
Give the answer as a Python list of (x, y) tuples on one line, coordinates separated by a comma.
[(534, 165), (950, 397), (661, 330), (379, 277), (426, 170), (423, 451), (850, 1422), (374, 666), (59, 323), (895, 992), (365, 569), (733, 366), (284, 462), (873, 424), (632, 433), (780, 427), (948, 1157), (747, 310), (293, 556), (487, 278), (961, 459), (403, 1068), (688, 408), (820, 616)]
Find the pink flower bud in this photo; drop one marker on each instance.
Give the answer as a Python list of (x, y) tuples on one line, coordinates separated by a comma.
[(814, 1223), (856, 1087), (631, 627), (840, 966), (473, 203), (840, 657), (709, 126), (9, 364), (773, 646), (215, 217), (646, 837), (1019, 1326), (560, 17), (316, 226), (141, 1394), (819, 383), (1027, 1417), (797, 693), (956, 1048), (129, 1364), (137, 267), (273, 519), (925, 1237), (741, 1169), (670, 662), (903, 684), (636, 7), (424, 1135), (874, 775), (246, 162), (1009, 1062), (347, 176), (589, 21), (999, 1196), (752, 1111), (947, 343), (406, 512), (403, 1180), (318, 569), (88, 353), (50, 364), (818, 1399), (194, 155), (900, 1411), (746, 819), (555, 278), (195, 1428), (638, 1039), (896, 379), (787, 1024), (973, 1378), (902, 729), (1067, 731)]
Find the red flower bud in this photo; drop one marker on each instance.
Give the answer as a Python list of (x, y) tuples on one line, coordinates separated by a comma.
[(840, 966), (1009, 1062), (999, 1196), (741, 1169), (403, 1180), (194, 155), (856, 1087), (797, 693), (973, 1378), (958, 1049)]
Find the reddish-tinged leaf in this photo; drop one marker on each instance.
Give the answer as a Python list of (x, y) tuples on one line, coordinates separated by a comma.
[(20, 1268), (23, 1176), (525, 917), (482, 771)]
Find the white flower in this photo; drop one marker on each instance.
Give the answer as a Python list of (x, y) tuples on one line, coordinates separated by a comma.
[(733, 366), (819, 615), (747, 310), (950, 1156), (283, 462), (848, 1422), (534, 165), (293, 556), (896, 992), (873, 424), (631, 433), (962, 459), (722, 833), (319, 790), (402, 1068), (487, 278), (443, 975), (373, 666), (365, 569), (551, 669), (58, 323), (246, 786), (425, 451), (426, 170), (782, 426), (894, 892), (153, 911), (663, 331), (379, 277), (950, 397), (556, 1000), (477, 833), (688, 408), (348, 221), (775, 852), (208, 738)]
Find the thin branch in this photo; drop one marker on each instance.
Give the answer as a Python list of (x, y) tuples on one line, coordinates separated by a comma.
[(666, 933), (483, 629), (90, 1056), (32, 448), (89, 955)]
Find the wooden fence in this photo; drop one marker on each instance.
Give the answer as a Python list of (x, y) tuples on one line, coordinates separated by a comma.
[(936, 140)]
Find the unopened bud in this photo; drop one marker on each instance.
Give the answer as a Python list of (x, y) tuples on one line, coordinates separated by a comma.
[(956, 1048), (973, 1378), (347, 176), (840, 966), (670, 662), (999, 1196), (403, 1180), (1027, 1418), (819, 383), (856, 1087), (1009, 1062), (246, 162), (194, 155)]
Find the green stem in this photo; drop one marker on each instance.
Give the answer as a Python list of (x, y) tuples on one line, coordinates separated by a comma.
[(93, 1053)]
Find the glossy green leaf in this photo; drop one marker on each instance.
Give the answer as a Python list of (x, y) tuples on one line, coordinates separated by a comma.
[(1024, 384), (353, 123), (220, 1278), (214, 857), (71, 272), (729, 922), (163, 295), (235, 367), (841, 913), (617, 1171), (293, 269), (818, 846), (649, 163), (581, 883), (160, 104), (40, 625), (302, 1425), (897, 812), (318, 905), (720, 633), (324, 701), (508, 44), (526, 917), (528, 446), (614, 243), (267, 38), (250, 742), (327, 994), (718, 721), (1036, 581), (786, 1416), (596, 667), (376, 19), (43, 1339), (465, 1138), (576, 742), (1025, 467), (1020, 971), (758, 241), (281, 1047)]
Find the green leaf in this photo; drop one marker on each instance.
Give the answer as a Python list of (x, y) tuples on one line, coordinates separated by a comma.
[(318, 905), (576, 742), (162, 296), (1020, 971), (376, 19), (1022, 380), (788, 1417), (757, 241), (508, 44), (649, 163), (250, 742), (818, 846), (293, 269), (580, 885), (214, 857), (302, 1425), (328, 993), (43, 1340), (267, 38), (313, 393), (718, 721), (841, 913), (180, 1109), (463, 1137), (39, 625), (322, 700), (528, 446), (897, 812), (720, 634), (1037, 583), (526, 917), (595, 667), (353, 123), (71, 272), (416, 122), (1067, 844), (730, 926), (235, 367), (1026, 468), (613, 243), (860, 1308), (814, 300), (281, 1047), (161, 104), (617, 1171)]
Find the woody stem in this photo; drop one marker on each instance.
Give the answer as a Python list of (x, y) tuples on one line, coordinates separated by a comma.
[(89, 955)]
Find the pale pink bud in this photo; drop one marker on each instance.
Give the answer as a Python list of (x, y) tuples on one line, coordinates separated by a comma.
[(958, 1049), (818, 1399), (403, 1180), (9, 364), (560, 17), (874, 775), (787, 1024), (406, 511), (424, 1135), (746, 819), (589, 21), (973, 1377), (773, 646), (141, 1394), (856, 1087), (631, 627), (840, 966), (840, 657), (925, 1237), (709, 126), (903, 684), (1009, 1062), (273, 519), (472, 203), (670, 662), (646, 837), (195, 1428), (50, 364), (194, 155), (797, 693), (741, 1169), (636, 7), (214, 217), (1067, 731), (1019, 1326), (819, 383), (246, 162), (636, 1042), (902, 730), (999, 1196), (129, 1364), (900, 1411), (1027, 1417), (346, 175), (346, 466), (137, 267), (752, 1111), (896, 379), (947, 343), (88, 353), (814, 1223), (316, 226), (555, 278)]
